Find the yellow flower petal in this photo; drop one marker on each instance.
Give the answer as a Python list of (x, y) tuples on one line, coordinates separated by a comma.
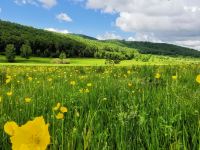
[(10, 128), (63, 109), (60, 116)]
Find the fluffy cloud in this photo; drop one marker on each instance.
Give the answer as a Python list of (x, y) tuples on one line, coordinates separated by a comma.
[(108, 36), (57, 30), (44, 3), (166, 20), (63, 17)]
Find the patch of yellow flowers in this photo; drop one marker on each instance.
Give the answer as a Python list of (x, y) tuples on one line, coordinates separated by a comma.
[(62, 110), (34, 135)]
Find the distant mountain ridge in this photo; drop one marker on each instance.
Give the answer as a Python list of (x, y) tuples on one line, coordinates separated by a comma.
[(50, 44)]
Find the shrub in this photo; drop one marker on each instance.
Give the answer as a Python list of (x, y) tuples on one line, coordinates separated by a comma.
[(60, 61), (10, 53)]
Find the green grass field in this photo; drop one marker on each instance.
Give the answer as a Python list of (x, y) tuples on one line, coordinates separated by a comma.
[(156, 60), (109, 108)]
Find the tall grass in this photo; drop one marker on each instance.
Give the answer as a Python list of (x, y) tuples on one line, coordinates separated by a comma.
[(126, 108)]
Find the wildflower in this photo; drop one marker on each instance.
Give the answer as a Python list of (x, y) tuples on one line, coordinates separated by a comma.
[(63, 109), (87, 90), (0, 99), (157, 76), (9, 93), (198, 79), (59, 116), (130, 84), (89, 84), (174, 77), (10, 128), (33, 135), (8, 81), (72, 83), (50, 79), (30, 78), (128, 72), (27, 100), (57, 107)]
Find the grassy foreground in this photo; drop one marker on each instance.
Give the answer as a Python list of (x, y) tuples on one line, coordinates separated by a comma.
[(108, 107)]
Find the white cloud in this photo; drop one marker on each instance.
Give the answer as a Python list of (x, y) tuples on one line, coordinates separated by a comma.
[(63, 17), (44, 3), (167, 20), (108, 36), (144, 37), (57, 30), (195, 44)]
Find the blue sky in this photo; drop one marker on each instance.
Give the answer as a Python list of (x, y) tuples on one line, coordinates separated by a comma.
[(84, 21), (170, 21)]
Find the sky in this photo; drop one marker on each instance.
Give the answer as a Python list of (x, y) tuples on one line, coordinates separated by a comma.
[(171, 21)]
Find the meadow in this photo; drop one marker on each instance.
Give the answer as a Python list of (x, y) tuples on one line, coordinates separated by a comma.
[(105, 107)]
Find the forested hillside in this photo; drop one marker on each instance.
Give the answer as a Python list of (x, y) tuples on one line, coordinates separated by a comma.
[(48, 44), (157, 48)]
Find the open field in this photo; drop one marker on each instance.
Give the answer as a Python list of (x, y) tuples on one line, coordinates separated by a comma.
[(155, 60), (138, 107)]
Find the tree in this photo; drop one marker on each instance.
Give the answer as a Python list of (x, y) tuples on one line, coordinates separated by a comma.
[(62, 55), (26, 51), (10, 53)]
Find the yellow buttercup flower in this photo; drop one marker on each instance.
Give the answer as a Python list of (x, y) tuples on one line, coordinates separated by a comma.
[(174, 77), (128, 72), (63, 109), (60, 116), (30, 78), (198, 79), (57, 107), (34, 135), (50, 79), (9, 93), (157, 76), (89, 84), (87, 90), (1, 99), (72, 83), (130, 84), (27, 100), (10, 128), (8, 81)]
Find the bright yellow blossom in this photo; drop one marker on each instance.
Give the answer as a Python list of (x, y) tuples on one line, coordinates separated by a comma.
[(57, 107), (130, 84), (72, 83), (174, 77), (9, 93), (157, 76), (60, 116), (10, 128), (89, 84), (0, 99), (34, 135), (63, 109), (30, 78), (198, 79), (27, 100)]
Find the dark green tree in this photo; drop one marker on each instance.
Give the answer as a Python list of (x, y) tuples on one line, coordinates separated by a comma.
[(10, 53), (26, 51)]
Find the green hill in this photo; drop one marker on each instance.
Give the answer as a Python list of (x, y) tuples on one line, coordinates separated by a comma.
[(50, 44), (157, 48)]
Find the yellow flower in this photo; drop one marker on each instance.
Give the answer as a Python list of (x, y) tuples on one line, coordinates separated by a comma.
[(1, 99), (81, 90), (10, 128), (9, 93), (198, 79), (130, 84), (57, 107), (87, 90), (89, 84), (128, 72), (174, 77), (8, 81), (63, 109), (157, 76), (34, 135), (72, 83), (27, 100), (30, 78), (60, 116), (50, 79)]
